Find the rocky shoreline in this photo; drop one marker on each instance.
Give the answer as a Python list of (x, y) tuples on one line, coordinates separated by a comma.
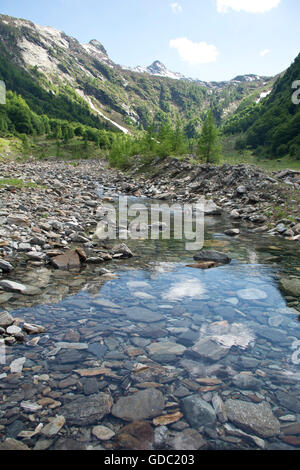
[(51, 220), (57, 212), (62, 206), (244, 192), (123, 371)]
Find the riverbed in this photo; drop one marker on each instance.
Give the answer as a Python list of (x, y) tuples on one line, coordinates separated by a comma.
[(156, 353)]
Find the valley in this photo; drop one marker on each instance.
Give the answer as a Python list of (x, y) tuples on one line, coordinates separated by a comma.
[(117, 330)]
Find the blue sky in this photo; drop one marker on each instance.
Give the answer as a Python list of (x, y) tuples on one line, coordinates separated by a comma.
[(205, 39)]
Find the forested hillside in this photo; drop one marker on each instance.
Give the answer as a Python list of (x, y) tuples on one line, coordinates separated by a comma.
[(271, 127), (59, 88), (64, 79)]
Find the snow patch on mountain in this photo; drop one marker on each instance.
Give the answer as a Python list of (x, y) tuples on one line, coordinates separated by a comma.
[(263, 95), (93, 107)]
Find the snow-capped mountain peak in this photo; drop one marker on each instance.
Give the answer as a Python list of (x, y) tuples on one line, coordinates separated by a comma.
[(158, 69)]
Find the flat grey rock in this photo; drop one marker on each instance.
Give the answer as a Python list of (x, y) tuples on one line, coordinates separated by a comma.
[(252, 294), (85, 410), (143, 315), (251, 417), (139, 406), (208, 349), (246, 381), (166, 348)]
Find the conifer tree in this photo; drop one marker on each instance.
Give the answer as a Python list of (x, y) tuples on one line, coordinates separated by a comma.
[(209, 147)]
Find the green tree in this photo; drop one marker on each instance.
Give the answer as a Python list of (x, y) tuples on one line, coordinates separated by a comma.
[(67, 132), (209, 147), (59, 133), (179, 140), (166, 139), (3, 126), (25, 142)]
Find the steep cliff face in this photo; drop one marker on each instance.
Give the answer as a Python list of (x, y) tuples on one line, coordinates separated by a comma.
[(84, 74)]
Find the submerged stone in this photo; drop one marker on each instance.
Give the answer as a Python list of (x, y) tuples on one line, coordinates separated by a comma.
[(143, 315), (212, 255), (251, 417), (138, 435), (5, 266), (85, 410), (188, 439), (206, 348), (166, 348), (13, 444), (252, 294), (103, 433), (53, 428), (139, 406), (198, 412)]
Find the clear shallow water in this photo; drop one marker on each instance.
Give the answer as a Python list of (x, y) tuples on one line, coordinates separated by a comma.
[(190, 303)]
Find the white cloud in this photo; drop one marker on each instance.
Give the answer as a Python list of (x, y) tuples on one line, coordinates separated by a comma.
[(176, 8), (195, 52), (250, 6), (264, 52)]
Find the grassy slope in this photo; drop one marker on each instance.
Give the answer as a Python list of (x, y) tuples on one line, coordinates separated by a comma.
[(42, 148), (233, 157)]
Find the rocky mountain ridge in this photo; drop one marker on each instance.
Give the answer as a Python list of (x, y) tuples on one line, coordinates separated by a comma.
[(157, 68), (126, 99)]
